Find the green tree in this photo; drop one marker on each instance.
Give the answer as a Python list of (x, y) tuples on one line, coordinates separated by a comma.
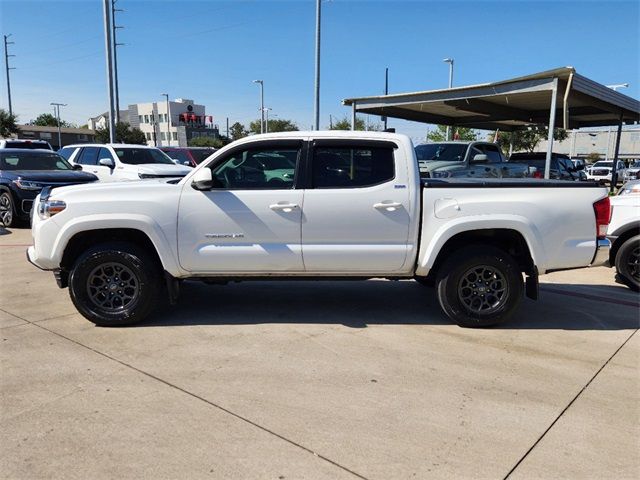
[(528, 140), (275, 125), (207, 142), (345, 124), (8, 123), (593, 157), (237, 131), (48, 120), (462, 133), (124, 134)]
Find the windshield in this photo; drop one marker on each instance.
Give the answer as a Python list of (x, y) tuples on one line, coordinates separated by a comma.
[(200, 155), (444, 152), (33, 161), (138, 156), (179, 155), (603, 164)]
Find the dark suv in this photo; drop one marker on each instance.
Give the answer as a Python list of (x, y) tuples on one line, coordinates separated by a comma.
[(562, 168), (23, 173)]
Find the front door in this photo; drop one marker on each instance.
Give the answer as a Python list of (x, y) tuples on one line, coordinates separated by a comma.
[(356, 209), (250, 221)]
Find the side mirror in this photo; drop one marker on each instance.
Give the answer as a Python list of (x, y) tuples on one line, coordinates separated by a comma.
[(75, 166), (186, 163), (202, 180), (479, 158), (107, 162)]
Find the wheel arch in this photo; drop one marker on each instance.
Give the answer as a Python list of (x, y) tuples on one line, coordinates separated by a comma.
[(630, 232)]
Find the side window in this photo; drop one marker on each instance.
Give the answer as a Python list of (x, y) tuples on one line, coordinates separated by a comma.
[(66, 152), (492, 152), (88, 156), (258, 168), (352, 167)]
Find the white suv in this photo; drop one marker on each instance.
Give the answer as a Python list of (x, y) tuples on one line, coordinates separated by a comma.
[(116, 162), (601, 171)]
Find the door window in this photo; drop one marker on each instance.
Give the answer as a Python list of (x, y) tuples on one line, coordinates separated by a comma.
[(352, 167), (89, 156), (258, 168), (492, 153)]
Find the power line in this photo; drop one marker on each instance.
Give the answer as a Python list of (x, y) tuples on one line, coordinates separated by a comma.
[(6, 64)]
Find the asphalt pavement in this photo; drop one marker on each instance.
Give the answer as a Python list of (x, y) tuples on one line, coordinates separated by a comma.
[(289, 380)]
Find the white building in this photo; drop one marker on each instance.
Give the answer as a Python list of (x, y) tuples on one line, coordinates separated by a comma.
[(600, 140), (183, 121)]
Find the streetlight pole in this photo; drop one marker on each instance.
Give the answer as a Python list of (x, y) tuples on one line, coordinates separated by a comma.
[(615, 89), (316, 108), (57, 108), (450, 62), (166, 95), (261, 83), (7, 67), (266, 111), (115, 57), (109, 58)]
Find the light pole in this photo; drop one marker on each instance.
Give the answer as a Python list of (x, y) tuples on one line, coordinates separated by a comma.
[(7, 67), (166, 95), (261, 82), (316, 107), (450, 62), (57, 108), (615, 89), (109, 62), (265, 110)]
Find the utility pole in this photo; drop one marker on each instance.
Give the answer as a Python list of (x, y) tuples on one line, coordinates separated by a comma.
[(57, 106), (115, 57), (266, 111), (108, 55), (316, 109), (386, 92), (227, 127), (6, 64), (261, 83), (330, 122)]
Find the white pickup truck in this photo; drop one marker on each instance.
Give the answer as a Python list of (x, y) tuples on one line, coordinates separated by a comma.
[(316, 205)]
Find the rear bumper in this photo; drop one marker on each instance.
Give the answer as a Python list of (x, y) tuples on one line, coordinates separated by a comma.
[(601, 257)]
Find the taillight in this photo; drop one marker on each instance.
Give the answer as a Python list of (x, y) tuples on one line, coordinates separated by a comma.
[(538, 175), (602, 209)]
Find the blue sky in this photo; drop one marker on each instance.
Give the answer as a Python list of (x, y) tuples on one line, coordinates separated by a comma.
[(211, 50)]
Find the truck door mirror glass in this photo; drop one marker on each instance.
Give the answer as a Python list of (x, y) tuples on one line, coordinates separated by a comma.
[(107, 162), (479, 158), (202, 180)]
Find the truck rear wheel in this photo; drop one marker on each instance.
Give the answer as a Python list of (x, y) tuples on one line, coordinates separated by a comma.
[(115, 284), (479, 286)]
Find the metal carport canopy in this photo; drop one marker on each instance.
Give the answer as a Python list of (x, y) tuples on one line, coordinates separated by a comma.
[(511, 104)]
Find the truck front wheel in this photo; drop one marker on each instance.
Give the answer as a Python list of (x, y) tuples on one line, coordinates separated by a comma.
[(479, 286), (115, 284)]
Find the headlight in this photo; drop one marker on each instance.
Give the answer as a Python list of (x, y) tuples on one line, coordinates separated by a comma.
[(441, 174), (26, 185), (48, 208)]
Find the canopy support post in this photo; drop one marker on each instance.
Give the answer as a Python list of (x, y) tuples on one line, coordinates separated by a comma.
[(552, 124), (353, 116), (614, 170)]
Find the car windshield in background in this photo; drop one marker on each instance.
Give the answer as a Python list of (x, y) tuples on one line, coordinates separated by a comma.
[(179, 155), (139, 156), (444, 152), (603, 164), (33, 161), (27, 144), (200, 155)]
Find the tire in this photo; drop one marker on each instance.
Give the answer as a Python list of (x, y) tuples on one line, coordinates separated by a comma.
[(499, 286), (115, 284), (628, 263), (7, 210)]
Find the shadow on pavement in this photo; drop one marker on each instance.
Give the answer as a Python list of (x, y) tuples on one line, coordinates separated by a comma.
[(357, 304)]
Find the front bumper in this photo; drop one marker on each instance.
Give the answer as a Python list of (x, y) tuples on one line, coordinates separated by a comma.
[(601, 257)]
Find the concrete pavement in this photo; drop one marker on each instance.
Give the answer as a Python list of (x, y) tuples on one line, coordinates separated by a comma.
[(318, 380)]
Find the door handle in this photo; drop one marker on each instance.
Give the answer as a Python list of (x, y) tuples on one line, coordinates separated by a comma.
[(388, 206), (283, 207)]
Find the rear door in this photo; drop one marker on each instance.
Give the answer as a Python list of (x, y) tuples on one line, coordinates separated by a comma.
[(88, 158), (356, 208)]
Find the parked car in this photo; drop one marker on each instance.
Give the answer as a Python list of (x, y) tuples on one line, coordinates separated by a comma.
[(465, 159), (24, 173), (633, 170), (117, 162), (601, 171), (24, 143), (579, 162), (317, 205), (562, 168), (624, 234), (632, 187), (190, 156)]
